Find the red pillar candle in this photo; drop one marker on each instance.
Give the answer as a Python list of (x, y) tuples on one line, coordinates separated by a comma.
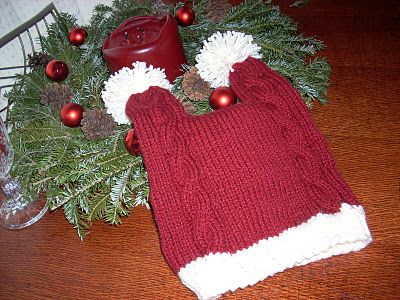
[(151, 39)]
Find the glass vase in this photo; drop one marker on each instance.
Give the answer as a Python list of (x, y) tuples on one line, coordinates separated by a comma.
[(16, 211)]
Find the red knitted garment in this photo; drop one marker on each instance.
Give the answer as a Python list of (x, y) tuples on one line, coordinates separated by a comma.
[(224, 181)]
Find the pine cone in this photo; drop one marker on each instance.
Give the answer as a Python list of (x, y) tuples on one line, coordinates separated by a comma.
[(97, 124), (56, 95), (188, 106), (194, 87), (38, 59), (217, 10), (159, 8)]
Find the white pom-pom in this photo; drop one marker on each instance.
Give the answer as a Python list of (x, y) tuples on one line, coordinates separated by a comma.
[(120, 86), (220, 52)]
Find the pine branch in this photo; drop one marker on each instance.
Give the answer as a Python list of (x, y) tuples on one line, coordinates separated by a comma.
[(77, 192), (95, 180), (74, 216)]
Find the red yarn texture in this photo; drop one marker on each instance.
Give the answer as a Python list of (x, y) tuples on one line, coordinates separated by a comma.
[(222, 181)]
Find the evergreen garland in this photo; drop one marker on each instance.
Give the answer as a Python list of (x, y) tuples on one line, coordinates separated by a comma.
[(99, 179)]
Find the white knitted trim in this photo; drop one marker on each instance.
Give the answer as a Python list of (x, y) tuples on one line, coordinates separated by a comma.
[(322, 236)]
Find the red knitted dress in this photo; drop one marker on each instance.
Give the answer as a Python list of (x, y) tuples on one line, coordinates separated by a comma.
[(244, 192)]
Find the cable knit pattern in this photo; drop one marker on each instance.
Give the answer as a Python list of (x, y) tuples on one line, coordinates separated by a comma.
[(227, 185)]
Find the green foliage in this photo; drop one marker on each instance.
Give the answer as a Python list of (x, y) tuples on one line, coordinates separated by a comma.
[(95, 180), (283, 50)]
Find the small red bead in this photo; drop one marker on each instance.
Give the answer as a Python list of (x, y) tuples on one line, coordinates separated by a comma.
[(71, 114), (132, 143), (222, 97), (77, 36), (57, 70), (185, 16)]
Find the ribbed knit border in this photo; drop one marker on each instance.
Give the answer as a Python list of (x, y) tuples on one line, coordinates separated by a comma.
[(322, 236)]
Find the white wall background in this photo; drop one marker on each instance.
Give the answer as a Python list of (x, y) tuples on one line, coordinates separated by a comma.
[(15, 12)]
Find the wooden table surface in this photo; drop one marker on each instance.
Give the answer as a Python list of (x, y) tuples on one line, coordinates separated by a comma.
[(361, 124)]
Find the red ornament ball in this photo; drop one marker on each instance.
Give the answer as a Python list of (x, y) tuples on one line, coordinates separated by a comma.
[(57, 70), (222, 97), (77, 36), (132, 143), (185, 16), (71, 114)]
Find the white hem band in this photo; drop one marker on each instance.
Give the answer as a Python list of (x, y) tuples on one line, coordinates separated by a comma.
[(322, 236)]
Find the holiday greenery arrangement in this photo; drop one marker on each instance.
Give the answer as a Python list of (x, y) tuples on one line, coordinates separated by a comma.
[(66, 143)]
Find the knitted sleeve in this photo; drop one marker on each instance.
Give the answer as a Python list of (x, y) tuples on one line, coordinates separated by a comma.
[(244, 192)]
